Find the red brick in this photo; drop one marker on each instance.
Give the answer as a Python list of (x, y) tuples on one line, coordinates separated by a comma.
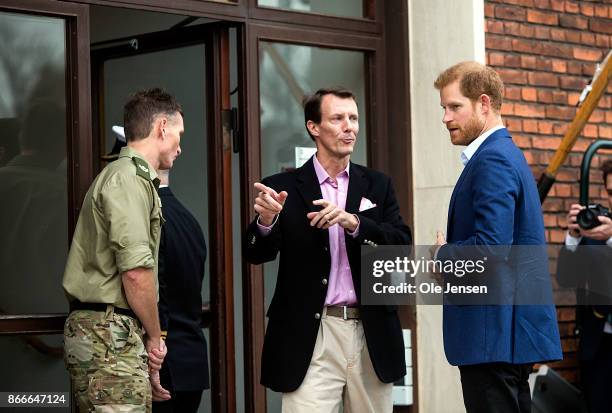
[(560, 128), (588, 69), (514, 125), (557, 35), (526, 30), (573, 21), (567, 175), (494, 26), (574, 68), (529, 94), (544, 63), (559, 66), (572, 98), (489, 10), (573, 36), (545, 96), (510, 13), (552, 204), (522, 141), (587, 38), (601, 26), (601, 10), (590, 131), (545, 127), (550, 220), (608, 117), (559, 97), (572, 82), (512, 60), (571, 7), (560, 112), (512, 93), (543, 79), (601, 40), (542, 4), (557, 236), (591, 55), (530, 125), (526, 3), (528, 62), (507, 109), (542, 32), (546, 142), (529, 111), (530, 158), (587, 9), (557, 5), (512, 76), (552, 49), (527, 46), (511, 28), (539, 17), (605, 132), (496, 42), (496, 59), (597, 116)]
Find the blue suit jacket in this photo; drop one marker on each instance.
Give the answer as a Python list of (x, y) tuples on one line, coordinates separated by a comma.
[(495, 202)]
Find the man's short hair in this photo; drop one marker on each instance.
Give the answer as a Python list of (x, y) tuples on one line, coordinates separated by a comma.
[(606, 168), (143, 107), (312, 103), (475, 79)]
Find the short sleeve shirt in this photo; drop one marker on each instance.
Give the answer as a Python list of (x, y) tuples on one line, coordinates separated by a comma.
[(118, 230)]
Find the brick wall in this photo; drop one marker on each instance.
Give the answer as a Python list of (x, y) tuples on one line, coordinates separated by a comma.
[(546, 52)]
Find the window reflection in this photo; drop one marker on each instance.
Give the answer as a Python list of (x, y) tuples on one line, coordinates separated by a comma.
[(344, 8), (33, 207)]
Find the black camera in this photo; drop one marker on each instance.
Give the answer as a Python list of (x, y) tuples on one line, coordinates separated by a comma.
[(587, 218)]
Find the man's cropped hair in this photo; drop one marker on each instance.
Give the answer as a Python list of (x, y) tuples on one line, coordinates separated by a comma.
[(143, 107), (312, 103), (475, 79)]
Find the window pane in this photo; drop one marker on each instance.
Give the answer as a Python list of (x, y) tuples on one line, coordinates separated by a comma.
[(344, 8), (33, 177), (287, 73)]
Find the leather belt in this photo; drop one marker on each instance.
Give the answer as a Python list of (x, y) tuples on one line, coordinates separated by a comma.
[(344, 312), (78, 305)]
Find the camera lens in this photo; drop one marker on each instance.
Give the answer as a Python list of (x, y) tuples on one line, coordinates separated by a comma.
[(587, 219)]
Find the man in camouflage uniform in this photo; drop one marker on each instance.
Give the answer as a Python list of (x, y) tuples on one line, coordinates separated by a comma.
[(111, 273)]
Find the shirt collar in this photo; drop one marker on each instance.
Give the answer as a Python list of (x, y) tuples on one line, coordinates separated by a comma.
[(471, 149), (128, 152), (322, 174)]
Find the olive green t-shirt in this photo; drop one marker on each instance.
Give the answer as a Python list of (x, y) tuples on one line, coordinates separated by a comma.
[(118, 230)]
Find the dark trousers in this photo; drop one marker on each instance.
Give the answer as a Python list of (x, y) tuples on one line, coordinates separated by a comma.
[(596, 378), (181, 402), (496, 388)]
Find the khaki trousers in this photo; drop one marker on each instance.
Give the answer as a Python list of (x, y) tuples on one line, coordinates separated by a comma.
[(340, 374)]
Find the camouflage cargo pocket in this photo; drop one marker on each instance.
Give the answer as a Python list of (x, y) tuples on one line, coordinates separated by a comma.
[(133, 391), (86, 338)]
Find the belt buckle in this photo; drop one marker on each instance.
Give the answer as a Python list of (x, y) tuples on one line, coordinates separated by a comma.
[(344, 313)]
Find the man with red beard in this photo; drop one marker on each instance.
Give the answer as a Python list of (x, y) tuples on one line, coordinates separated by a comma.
[(495, 208)]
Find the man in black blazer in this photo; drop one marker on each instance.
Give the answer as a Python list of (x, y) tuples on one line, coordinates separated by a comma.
[(182, 254), (322, 349), (586, 262)]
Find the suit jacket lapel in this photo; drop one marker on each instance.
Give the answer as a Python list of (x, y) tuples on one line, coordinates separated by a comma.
[(358, 185), (308, 185)]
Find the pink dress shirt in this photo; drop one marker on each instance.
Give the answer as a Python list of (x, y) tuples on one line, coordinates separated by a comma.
[(340, 289)]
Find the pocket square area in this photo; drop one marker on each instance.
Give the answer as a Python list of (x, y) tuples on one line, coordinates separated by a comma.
[(366, 204)]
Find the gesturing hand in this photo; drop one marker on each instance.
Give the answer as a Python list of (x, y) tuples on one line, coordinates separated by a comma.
[(268, 203), (331, 215)]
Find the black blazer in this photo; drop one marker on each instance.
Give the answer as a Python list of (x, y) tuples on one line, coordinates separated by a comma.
[(587, 269), (304, 264), (182, 255)]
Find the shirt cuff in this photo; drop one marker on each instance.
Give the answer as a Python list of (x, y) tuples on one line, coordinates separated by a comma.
[(355, 233), (609, 242), (264, 230), (572, 242)]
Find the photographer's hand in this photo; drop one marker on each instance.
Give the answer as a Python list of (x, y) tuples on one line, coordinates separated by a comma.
[(573, 228), (601, 232)]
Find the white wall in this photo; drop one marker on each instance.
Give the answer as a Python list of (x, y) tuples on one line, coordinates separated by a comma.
[(442, 33)]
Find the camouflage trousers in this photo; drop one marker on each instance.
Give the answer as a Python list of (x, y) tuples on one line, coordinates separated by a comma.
[(107, 361)]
